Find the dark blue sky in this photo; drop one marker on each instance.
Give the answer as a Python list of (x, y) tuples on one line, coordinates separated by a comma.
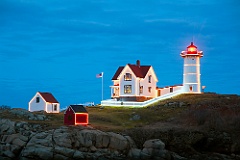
[(60, 45)]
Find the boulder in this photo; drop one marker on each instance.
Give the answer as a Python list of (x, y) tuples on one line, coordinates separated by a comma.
[(37, 151), (134, 153), (41, 117), (78, 155), (9, 154), (7, 126), (86, 137), (64, 151), (154, 148), (155, 144), (42, 138), (63, 139), (118, 142)]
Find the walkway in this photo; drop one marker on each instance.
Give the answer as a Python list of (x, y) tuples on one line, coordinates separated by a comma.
[(114, 103)]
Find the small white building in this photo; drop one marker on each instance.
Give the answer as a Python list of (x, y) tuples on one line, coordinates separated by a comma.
[(134, 82), (44, 101)]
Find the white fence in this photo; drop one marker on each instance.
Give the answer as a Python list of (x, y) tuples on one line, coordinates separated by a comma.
[(114, 103)]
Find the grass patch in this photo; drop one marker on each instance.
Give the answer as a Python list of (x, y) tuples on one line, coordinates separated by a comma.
[(121, 118), (209, 110)]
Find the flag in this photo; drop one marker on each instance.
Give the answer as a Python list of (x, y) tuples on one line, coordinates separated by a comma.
[(100, 75)]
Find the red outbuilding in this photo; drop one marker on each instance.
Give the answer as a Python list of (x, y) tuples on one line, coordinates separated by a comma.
[(76, 115)]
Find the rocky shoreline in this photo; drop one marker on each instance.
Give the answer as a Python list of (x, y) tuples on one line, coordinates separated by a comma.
[(24, 141), (19, 141)]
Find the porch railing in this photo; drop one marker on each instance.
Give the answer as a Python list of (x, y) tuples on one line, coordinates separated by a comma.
[(115, 103)]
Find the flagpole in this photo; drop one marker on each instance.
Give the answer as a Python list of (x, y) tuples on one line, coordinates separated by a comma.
[(102, 86)]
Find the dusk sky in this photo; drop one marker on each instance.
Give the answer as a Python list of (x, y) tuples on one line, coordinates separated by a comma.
[(59, 46)]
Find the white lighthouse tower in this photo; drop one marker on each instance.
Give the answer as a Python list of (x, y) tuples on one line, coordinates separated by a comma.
[(191, 71)]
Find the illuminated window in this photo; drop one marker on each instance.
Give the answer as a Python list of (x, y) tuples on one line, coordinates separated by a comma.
[(149, 89), (127, 77), (127, 89), (37, 100), (149, 79), (55, 107), (141, 89)]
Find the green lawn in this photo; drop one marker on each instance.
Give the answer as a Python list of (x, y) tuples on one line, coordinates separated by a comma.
[(119, 118)]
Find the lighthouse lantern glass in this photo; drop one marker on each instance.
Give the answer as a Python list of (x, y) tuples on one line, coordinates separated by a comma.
[(192, 49)]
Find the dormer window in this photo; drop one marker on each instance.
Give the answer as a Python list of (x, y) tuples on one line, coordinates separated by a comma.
[(37, 100), (128, 77), (149, 79)]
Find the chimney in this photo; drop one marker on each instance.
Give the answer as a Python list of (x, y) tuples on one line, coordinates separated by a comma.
[(138, 63)]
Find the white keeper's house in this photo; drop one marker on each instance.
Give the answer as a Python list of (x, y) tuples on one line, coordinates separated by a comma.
[(44, 101), (134, 82), (136, 85)]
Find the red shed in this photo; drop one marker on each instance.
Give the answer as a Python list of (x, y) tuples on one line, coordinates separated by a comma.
[(76, 115)]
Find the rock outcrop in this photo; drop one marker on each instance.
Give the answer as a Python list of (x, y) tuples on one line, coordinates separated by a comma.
[(18, 141), (29, 115)]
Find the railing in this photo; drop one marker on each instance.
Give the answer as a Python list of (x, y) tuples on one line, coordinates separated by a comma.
[(115, 103)]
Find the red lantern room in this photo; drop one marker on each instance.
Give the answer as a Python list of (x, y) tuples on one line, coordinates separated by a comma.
[(191, 51)]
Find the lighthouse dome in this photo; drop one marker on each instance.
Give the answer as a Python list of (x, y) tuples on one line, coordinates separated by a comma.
[(191, 48)]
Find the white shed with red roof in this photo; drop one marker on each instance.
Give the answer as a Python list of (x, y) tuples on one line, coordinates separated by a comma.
[(44, 101)]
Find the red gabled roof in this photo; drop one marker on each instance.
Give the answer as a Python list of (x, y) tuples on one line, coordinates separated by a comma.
[(139, 71), (48, 97), (117, 73)]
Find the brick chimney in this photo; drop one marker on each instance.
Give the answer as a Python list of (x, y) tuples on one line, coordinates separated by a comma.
[(138, 63)]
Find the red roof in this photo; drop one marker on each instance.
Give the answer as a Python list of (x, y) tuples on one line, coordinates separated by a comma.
[(48, 97), (192, 45), (117, 73), (139, 71)]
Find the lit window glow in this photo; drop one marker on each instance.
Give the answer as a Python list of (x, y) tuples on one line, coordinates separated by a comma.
[(192, 49), (128, 77), (127, 89), (81, 119)]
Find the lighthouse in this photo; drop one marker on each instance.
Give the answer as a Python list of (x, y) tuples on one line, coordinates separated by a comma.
[(191, 70)]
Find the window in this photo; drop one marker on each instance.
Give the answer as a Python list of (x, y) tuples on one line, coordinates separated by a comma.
[(127, 77), (69, 117), (55, 107), (127, 89), (141, 89), (190, 88), (149, 89), (171, 89), (37, 100), (149, 79)]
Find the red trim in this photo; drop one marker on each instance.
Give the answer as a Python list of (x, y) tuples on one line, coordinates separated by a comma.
[(81, 117)]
